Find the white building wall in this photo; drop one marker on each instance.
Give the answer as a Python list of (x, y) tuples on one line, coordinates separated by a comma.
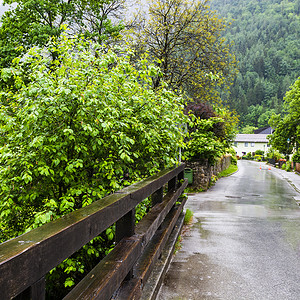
[(252, 147)]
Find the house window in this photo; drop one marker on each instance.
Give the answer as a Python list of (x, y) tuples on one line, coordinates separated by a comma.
[(235, 144), (252, 144), (246, 144)]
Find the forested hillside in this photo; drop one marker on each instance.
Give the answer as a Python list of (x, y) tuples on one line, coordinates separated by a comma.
[(267, 45)]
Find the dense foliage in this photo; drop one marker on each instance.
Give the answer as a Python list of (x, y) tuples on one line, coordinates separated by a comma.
[(286, 137), (267, 46), (183, 38), (210, 132), (76, 130), (80, 120), (30, 23)]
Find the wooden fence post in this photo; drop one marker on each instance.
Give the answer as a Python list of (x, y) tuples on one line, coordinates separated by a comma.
[(38, 290), (35, 292), (180, 176), (125, 227), (157, 197), (172, 184)]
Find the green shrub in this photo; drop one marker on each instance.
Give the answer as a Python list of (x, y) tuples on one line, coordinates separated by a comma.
[(283, 167), (74, 133), (259, 152), (257, 157), (288, 166), (272, 153), (248, 155), (296, 157), (233, 155), (203, 143)]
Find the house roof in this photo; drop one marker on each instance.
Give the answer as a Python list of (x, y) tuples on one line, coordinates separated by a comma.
[(252, 138), (264, 130)]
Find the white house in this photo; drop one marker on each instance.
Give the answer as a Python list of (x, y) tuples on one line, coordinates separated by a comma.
[(245, 143)]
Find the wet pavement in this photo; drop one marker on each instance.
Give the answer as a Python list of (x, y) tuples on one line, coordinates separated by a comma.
[(244, 242)]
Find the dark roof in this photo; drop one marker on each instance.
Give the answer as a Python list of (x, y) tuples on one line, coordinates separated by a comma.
[(264, 130)]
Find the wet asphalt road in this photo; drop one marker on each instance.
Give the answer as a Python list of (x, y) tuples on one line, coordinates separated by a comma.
[(244, 242)]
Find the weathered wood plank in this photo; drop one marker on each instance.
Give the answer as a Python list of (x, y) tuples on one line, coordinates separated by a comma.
[(157, 197), (107, 276), (180, 176), (134, 285), (150, 256), (172, 184), (154, 282), (93, 283), (38, 290), (125, 227), (140, 190), (41, 249), (151, 222)]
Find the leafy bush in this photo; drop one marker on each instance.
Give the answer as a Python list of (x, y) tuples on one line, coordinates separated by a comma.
[(211, 130), (275, 154), (75, 129), (205, 111), (259, 152), (257, 157), (248, 155), (203, 144), (233, 155), (283, 166), (213, 180), (296, 157), (288, 166)]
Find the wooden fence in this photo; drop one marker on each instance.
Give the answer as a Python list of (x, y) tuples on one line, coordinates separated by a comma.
[(25, 260)]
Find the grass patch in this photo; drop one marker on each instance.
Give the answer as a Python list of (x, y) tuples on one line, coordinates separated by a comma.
[(188, 216), (189, 190), (177, 245), (231, 169)]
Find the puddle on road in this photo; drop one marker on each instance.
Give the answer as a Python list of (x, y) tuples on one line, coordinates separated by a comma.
[(250, 210), (203, 232)]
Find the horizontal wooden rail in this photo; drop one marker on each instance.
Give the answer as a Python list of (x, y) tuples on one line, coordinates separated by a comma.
[(25, 260)]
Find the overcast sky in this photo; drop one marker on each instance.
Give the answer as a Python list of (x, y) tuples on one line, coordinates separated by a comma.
[(3, 8), (130, 3)]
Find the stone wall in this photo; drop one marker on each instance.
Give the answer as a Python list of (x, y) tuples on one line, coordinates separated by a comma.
[(203, 171)]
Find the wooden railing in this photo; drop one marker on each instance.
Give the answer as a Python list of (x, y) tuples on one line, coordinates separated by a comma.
[(25, 260)]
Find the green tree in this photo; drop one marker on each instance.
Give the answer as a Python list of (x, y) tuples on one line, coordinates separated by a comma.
[(32, 23), (203, 143), (264, 118), (266, 44), (287, 129), (182, 37), (248, 129), (72, 134), (69, 135), (211, 131)]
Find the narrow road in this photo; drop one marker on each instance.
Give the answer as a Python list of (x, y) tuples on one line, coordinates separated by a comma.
[(244, 242)]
